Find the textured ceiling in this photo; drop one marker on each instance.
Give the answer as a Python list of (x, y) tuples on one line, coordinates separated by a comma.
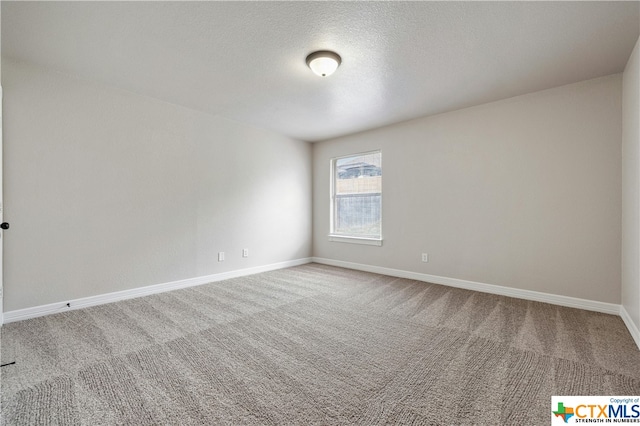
[(401, 60)]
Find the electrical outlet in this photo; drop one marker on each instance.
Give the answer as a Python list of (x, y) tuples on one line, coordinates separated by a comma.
[(245, 252), (425, 257), (221, 256)]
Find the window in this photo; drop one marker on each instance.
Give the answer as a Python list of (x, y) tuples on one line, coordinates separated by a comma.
[(356, 198)]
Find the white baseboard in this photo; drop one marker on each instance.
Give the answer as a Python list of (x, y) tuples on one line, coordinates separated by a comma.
[(633, 329), (554, 299), (571, 302), (85, 302)]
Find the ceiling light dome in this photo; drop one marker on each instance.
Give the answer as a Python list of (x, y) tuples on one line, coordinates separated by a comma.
[(323, 62)]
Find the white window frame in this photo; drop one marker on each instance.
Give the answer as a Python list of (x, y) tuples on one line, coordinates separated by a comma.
[(370, 241)]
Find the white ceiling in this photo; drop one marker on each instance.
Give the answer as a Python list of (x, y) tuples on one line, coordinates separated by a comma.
[(400, 60)]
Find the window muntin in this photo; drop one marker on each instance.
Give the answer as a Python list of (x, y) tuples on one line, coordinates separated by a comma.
[(356, 196)]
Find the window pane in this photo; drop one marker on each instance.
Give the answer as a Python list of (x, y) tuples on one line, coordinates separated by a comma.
[(358, 215), (358, 195)]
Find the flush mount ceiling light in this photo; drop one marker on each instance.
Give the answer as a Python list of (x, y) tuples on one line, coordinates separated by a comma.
[(323, 62)]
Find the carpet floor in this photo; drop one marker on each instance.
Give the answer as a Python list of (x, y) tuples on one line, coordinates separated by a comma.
[(312, 345)]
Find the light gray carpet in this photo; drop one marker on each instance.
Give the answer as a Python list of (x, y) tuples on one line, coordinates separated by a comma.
[(312, 345)]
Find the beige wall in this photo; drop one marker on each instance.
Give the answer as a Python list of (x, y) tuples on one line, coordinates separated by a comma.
[(107, 190), (523, 193), (631, 187)]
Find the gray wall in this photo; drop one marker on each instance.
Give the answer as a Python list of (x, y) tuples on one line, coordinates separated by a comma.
[(523, 193), (107, 190), (631, 187)]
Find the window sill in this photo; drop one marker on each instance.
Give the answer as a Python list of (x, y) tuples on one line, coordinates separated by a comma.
[(356, 240)]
